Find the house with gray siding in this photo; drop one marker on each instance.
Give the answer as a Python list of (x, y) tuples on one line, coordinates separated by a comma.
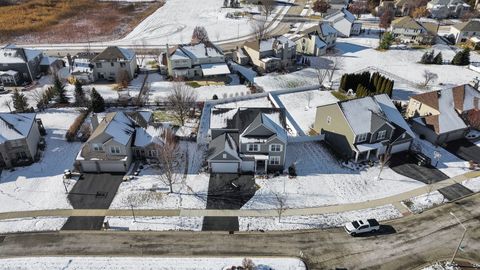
[(117, 140), (363, 129), (113, 63), (247, 140), (24, 61), (19, 139)]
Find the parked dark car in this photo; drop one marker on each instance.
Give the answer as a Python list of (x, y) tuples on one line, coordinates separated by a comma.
[(421, 159)]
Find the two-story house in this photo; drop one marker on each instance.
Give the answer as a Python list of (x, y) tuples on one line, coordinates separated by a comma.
[(315, 40), (202, 59), (363, 129), (114, 63), (464, 31), (117, 140), (25, 62), (344, 22), (19, 138), (407, 29), (271, 54), (439, 116), (441, 9), (247, 140)]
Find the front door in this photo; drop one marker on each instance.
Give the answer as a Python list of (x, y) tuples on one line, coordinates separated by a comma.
[(261, 167)]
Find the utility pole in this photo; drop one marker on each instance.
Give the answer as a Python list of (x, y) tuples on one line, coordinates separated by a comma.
[(461, 239)]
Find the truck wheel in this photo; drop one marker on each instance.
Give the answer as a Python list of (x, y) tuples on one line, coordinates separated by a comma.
[(353, 234)]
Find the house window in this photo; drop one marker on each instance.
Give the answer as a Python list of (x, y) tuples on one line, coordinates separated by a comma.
[(253, 148), (275, 148), (112, 64), (274, 160), (15, 143), (329, 120), (152, 153), (122, 65), (98, 65), (97, 147), (362, 137), (381, 134), (114, 149), (224, 156)]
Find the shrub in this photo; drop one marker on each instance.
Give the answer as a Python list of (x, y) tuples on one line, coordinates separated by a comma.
[(386, 42)]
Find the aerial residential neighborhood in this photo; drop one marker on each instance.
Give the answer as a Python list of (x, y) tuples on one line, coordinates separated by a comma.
[(240, 134)]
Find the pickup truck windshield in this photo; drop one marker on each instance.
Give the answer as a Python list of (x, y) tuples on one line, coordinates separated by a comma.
[(355, 224)]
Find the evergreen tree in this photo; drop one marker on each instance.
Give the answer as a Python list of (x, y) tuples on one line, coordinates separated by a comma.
[(466, 57), (462, 58), (383, 86), (431, 56), (389, 89), (20, 102), (386, 41), (376, 77), (79, 94), (60, 90), (438, 60), (424, 58), (361, 91), (97, 103)]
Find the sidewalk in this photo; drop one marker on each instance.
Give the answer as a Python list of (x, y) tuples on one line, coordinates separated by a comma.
[(394, 200)]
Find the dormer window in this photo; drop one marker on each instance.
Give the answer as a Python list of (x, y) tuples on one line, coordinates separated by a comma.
[(362, 137), (381, 134)]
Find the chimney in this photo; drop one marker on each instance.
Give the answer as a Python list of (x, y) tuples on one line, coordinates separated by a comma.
[(94, 121)]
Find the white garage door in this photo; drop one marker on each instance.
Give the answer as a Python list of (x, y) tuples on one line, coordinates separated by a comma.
[(112, 167), (224, 167), (400, 147), (89, 166)]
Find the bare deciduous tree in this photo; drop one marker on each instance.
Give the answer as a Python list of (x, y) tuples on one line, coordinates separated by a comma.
[(259, 28), (336, 63), (182, 100), (281, 202), (428, 77), (384, 161), (267, 7), (200, 35), (169, 159), (308, 95), (140, 48), (321, 74), (8, 103)]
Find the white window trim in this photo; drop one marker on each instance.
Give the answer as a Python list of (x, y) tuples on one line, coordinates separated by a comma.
[(383, 133), (274, 160), (114, 150), (362, 137), (97, 147), (276, 144), (253, 146)]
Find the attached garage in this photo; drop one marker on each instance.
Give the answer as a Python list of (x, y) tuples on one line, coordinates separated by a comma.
[(401, 147), (248, 166), (101, 166), (224, 167)]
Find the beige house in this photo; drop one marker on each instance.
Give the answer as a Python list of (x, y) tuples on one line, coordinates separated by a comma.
[(117, 140), (113, 63), (439, 115), (363, 129), (271, 54), (315, 40), (19, 139), (464, 31), (407, 29), (441, 9)]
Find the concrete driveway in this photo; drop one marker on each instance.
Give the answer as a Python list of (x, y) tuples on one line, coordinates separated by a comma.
[(464, 149), (405, 164), (455, 192), (227, 191), (93, 191)]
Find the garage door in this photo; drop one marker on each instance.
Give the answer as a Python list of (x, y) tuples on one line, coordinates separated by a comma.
[(224, 167), (88, 166), (400, 147), (248, 166), (112, 166)]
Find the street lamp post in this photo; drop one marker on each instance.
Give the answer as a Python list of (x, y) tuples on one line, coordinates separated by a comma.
[(461, 239), (133, 213)]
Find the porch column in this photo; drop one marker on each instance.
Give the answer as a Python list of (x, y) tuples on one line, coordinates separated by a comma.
[(356, 157), (266, 161), (368, 155)]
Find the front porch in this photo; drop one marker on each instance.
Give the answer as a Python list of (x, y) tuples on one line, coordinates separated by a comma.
[(364, 152)]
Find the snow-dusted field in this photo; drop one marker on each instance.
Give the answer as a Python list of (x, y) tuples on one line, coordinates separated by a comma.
[(31, 224), (155, 223), (179, 263), (316, 221), (322, 180), (39, 186), (421, 203)]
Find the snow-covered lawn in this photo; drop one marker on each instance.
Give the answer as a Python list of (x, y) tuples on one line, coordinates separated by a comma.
[(275, 81), (143, 263), (322, 180), (302, 106), (420, 203), (472, 184), (442, 266), (448, 163), (316, 221), (155, 223), (31, 224), (149, 191), (40, 185)]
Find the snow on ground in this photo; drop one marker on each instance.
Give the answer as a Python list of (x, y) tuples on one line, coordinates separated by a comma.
[(302, 106), (149, 191), (472, 184), (442, 266), (155, 223), (39, 224), (448, 163), (175, 21), (173, 263), (262, 102), (322, 181), (421, 203), (40, 185), (316, 221), (41, 85), (275, 81)]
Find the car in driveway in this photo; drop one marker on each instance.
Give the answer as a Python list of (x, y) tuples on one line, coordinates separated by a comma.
[(362, 226)]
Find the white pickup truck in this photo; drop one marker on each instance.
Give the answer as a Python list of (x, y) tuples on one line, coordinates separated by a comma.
[(362, 226)]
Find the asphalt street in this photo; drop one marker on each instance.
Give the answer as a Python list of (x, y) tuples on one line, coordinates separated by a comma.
[(409, 242)]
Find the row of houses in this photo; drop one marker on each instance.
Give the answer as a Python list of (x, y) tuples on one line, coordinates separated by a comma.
[(438, 9)]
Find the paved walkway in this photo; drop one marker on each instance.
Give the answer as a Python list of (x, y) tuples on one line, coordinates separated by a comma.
[(394, 200)]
